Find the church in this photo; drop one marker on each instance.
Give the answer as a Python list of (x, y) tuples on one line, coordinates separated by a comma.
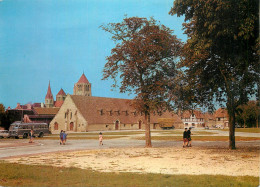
[(82, 112)]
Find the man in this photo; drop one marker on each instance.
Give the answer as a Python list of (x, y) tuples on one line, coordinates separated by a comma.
[(185, 138), (189, 137)]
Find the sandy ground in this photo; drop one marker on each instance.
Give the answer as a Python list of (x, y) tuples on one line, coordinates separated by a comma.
[(166, 160)]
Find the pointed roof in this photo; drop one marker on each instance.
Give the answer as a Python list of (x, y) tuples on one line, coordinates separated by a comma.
[(61, 92), (83, 79), (49, 94)]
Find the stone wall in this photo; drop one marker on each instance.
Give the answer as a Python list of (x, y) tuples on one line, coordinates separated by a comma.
[(68, 118)]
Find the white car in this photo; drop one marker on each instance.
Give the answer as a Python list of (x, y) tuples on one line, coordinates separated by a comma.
[(4, 134)]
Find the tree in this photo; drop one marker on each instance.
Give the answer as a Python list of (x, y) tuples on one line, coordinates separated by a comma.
[(220, 57), (248, 114), (143, 58)]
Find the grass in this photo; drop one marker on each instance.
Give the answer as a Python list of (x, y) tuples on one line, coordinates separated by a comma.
[(193, 132), (28, 175), (249, 130), (104, 133), (80, 137), (201, 138)]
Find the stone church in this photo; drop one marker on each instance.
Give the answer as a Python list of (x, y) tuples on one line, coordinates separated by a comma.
[(82, 112)]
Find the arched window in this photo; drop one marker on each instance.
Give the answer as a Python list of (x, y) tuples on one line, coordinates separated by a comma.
[(71, 126), (56, 126)]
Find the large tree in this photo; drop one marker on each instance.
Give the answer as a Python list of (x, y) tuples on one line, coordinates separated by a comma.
[(220, 57), (144, 60)]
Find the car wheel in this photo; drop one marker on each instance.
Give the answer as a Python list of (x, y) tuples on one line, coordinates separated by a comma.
[(41, 134), (25, 135)]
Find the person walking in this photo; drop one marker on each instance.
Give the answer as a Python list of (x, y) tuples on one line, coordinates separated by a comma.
[(31, 136), (185, 138), (61, 137), (189, 137), (64, 137), (100, 139)]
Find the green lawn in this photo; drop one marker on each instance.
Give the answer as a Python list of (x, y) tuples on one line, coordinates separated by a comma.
[(250, 130), (72, 137), (104, 133), (25, 175), (200, 138)]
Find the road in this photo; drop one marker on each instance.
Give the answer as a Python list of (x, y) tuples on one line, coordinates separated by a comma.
[(21, 147)]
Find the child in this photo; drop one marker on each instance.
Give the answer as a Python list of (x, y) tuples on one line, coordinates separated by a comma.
[(100, 139), (185, 138), (31, 136)]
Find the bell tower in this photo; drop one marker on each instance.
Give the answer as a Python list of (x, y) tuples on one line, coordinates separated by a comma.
[(82, 87), (49, 102)]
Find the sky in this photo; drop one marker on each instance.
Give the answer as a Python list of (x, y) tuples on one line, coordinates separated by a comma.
[(58, 40)]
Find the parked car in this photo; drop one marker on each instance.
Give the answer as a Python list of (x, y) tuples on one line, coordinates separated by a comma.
[(4, 134), (207, 127)]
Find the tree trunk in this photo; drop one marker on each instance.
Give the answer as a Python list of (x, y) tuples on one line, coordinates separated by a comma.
[(148, 142), (232, 123)]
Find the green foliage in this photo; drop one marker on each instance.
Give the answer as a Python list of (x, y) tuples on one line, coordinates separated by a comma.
[(25, 175), (144, 58), (220, 57), (248, 114)]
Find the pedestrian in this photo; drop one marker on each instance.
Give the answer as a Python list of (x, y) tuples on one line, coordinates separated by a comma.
[(31, 136), (61, 137), (185, 138), (189, 137), (100, 139), (64, 137)]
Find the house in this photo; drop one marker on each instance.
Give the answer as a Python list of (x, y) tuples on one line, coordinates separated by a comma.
[(42, 115), (81, 113), (221, 118), (192, 118)]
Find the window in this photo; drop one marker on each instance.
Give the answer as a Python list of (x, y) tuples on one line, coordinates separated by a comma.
[(107, 126), (124, 125), (56, 126), (101, 112), (65, 115), (80, 87), (70, 115)]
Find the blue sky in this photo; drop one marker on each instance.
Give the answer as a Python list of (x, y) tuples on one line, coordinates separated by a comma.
[(56, 40)]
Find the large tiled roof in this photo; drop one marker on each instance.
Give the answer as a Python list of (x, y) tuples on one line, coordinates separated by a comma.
[(46, 111), (221, 113), (49, 94), (61, 92), (58, 103), (102, 110), (188, 113), (83, 79)]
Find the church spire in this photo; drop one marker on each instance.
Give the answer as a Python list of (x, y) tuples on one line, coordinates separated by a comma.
[(49, 94)]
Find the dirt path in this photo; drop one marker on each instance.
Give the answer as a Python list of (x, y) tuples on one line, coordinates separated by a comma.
[(195, 161)]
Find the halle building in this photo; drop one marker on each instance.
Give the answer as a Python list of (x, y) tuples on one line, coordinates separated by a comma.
[(82, 112)]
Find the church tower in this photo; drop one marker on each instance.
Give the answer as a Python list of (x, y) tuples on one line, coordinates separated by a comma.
[(60, 97), (49, 102), (82, 87)]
